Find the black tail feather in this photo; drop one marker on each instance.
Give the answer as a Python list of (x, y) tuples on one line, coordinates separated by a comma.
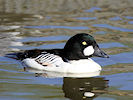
[(18, 56)]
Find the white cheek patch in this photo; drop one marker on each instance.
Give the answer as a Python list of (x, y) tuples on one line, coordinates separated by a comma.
[(88, 51)]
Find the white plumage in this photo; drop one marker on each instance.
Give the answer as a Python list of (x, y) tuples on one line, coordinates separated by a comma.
[(56, 64)]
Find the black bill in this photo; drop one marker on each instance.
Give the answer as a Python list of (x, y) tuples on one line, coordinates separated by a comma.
[(99, 53)]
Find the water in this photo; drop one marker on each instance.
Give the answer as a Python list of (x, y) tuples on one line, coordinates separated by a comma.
[(47, 24)]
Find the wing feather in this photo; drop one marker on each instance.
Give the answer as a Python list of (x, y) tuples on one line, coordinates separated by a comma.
[(47, 58)]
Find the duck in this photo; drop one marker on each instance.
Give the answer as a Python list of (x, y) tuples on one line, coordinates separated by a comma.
[(75, 57)]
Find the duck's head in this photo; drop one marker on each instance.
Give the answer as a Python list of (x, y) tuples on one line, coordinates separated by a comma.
[(82, 46)]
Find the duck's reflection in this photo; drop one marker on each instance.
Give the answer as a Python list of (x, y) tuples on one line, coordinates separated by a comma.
[(78, 86), (84, 88), (49, 74)]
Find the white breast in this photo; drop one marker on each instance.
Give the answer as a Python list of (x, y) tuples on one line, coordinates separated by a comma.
[(75, 66)]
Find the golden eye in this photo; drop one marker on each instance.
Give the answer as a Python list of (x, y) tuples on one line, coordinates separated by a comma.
[(84, 43)]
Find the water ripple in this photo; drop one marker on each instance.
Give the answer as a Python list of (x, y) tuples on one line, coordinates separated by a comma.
[(101, 32), (115, 18), (92, 9), (86, 18), (130, 22), (111, 45), (123, 81), (59, 27), (113, 27), (129, 17), (49, 38)]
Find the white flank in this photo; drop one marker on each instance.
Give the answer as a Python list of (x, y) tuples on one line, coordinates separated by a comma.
[(75, 66), (88, 51)]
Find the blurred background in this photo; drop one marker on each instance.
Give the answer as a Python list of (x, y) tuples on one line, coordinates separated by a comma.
[(31, 24)]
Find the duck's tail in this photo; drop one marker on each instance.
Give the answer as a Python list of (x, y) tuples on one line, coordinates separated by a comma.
[(17, 56)]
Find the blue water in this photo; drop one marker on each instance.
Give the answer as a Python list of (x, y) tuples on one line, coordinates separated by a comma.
[(59, 27), (112, 27), (92, 9), (115, 18), (48, 38), (128, 17), (115, 59), (122, 81), (111, 45), (101, 32), (130, 22)]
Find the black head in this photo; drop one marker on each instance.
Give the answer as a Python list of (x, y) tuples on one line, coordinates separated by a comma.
[(82, 46)]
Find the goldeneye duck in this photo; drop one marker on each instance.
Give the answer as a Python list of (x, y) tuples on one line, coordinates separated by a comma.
[(73, 58)]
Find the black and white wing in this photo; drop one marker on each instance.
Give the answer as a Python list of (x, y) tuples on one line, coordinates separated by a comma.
[(47, 59)]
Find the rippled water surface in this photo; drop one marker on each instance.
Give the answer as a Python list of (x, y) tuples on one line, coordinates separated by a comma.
[(40, 24)]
